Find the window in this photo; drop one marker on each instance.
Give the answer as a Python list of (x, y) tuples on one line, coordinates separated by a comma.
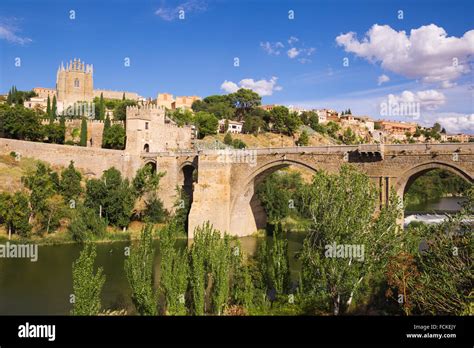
[(146, 148), (76, 83), (146, 125)]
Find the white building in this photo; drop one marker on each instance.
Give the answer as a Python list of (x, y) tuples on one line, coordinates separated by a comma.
[(234, 126)]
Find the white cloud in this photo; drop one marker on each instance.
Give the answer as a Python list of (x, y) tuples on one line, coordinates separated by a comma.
[(304, 60), (171, 13), (382, 79), (274, 49), (293, 52), (292, 40), (271, 49), (9, 32), (262, 87), (427, 53), (229, 86), (456, 123), (429, 99)]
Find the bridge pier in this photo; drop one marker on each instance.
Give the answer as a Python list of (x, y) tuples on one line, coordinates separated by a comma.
[(211, 196)]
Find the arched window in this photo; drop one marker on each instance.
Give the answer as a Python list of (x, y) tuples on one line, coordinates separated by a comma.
[(146, 148), (76, 83)]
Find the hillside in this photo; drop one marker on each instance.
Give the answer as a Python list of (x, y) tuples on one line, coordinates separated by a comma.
[(272, 139)]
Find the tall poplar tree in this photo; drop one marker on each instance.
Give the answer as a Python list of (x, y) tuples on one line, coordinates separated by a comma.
[(101, 107), (83, 141), (48, 108), (54, 109)]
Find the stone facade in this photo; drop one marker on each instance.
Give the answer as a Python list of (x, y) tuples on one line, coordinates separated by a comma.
[(117, 94), (95, 130), (167, 101), (45, 92), (148, 130), (74, 83), (224, 193), (91, 161)]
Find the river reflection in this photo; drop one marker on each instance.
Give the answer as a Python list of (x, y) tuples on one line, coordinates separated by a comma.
[(44, 287)]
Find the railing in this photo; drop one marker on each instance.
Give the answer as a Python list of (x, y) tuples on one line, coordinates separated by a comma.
[(337, 149)]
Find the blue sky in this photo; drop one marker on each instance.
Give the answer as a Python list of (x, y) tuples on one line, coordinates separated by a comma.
[(290, 61)]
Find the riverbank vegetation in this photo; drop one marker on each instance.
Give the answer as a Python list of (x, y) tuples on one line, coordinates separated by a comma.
[(354, 260), (59, 206), (434, 185)]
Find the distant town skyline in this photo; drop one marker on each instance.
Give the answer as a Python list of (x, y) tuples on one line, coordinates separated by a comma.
[(325, 54)]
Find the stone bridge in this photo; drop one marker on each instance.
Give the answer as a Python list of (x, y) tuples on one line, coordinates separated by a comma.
[(223, 189)]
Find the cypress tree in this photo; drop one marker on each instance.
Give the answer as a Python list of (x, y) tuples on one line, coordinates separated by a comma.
[(123, 96), (101, 107), (62, 126), (83, 141), (105, 131), (9, 97), (54, 109), (48, 109)]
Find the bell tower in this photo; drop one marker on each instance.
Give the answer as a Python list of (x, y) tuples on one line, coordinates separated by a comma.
[(74, 82)]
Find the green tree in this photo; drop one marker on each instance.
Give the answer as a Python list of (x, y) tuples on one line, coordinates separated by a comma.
[(83, 141), (349, 137), (332, 128), (105, 131), (146, 180), (48, 109), (9, 97), (228, 139), (210, 264), (329, 271), (54, 109), (238, 144), (62, 128), (206, 123), (284, 121), (86, 283), (120, 110), (274, 264), (101, 107), (244, 101), (15, 213), (41, 186), (181, 116), (21, 123), (139, 271), (114, 137), (86, 225), (70, 185), (173, 271), (303, 140), (444, 283), (113, 196)]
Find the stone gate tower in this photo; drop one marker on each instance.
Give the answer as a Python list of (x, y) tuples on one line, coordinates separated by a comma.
[(74, 82), (149, 130)]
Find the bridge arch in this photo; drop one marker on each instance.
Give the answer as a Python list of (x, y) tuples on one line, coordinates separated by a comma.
[(245, 207), (409, 176), (152, 163)]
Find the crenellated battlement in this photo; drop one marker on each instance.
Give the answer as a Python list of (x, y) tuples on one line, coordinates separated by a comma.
[(77, 66), (146, 112)]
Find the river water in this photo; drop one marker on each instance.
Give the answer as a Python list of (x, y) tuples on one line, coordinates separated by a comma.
[(434, 211), (44, 287)]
